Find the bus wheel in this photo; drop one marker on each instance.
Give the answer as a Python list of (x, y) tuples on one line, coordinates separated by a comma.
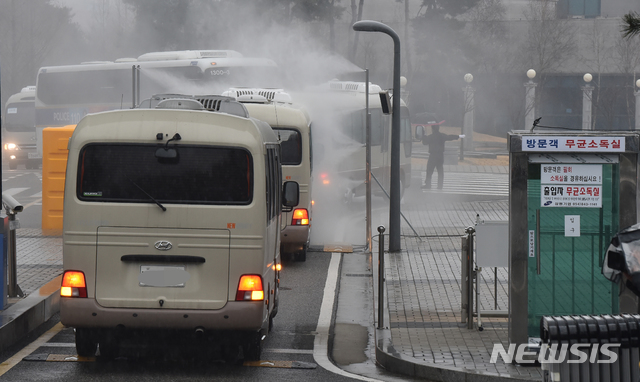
[(86, 345), (252, 348), (302, 255)]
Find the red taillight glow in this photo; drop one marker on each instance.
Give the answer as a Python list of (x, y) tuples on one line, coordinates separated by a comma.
[(250, 288), (73, 284), (300, 217), (325, 178)]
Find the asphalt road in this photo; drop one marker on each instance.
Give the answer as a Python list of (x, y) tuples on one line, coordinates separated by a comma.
[(323, 331)]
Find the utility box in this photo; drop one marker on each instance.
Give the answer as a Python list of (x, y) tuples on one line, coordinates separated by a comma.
[(54, 167), (569, 194)]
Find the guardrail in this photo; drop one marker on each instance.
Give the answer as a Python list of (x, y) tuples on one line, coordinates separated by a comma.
[(590, 348)]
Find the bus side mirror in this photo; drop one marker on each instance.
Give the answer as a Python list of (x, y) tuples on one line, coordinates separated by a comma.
[(419, 132), (290, 194), (385, 103)]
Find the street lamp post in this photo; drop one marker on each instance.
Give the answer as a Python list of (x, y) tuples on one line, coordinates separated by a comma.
[(530, 100), (394, 189), (637, 94), (467, 124), (587, 91)]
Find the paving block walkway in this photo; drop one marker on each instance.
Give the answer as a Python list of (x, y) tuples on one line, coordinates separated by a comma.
[(424, 289)]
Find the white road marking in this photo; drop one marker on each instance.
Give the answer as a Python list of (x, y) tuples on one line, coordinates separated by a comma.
[(321, 343), (27, 350), (288, 351), (59, 344), (14, 191)]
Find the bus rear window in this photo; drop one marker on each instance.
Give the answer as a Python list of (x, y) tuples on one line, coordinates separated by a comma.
[(132, 173), (290, 146)]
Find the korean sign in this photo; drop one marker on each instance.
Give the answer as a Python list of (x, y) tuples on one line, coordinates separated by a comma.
[(573, 144), (571, 185)]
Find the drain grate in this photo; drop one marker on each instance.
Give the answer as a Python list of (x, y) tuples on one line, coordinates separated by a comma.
[(357, 275)]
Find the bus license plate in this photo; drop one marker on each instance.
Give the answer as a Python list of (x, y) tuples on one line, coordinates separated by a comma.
[(163, 276)]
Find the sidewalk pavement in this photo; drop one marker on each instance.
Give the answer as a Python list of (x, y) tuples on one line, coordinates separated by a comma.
[(424, 335), (39, 270)]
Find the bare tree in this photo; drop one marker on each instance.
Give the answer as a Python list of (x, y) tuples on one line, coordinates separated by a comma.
[(550, 42), (600, 57), (487, 36), (356, 15), (30, 33), (548, 45), (627, 53)]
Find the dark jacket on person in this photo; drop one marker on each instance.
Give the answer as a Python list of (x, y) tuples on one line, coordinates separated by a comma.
[(436, 141)]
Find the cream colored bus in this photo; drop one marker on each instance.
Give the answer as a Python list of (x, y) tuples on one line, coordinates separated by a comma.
[(172, 223), (19, 130), (338, 109), (292, 125)]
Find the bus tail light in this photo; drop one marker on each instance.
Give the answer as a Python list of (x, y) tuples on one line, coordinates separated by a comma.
[(73, 284), (250, 288), (325, 178), (300, 217)]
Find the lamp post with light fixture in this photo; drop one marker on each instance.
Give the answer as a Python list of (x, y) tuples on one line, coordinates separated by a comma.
[(394, 187), (637, 94), (467, 124), (530, 100), (587, 91)]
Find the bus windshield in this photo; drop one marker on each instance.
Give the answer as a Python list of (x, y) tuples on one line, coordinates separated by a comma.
[(20, 117), (132, 173)]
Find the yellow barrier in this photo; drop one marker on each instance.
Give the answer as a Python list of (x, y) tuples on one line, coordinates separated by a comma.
[(54, 167)]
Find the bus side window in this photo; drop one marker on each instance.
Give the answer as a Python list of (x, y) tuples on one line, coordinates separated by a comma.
[(268, 174), (385, 126), (376, 127), (274, 180)]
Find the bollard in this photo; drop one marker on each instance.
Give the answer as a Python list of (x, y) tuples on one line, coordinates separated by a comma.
[(470, 277), (464, 306), (381, 277)]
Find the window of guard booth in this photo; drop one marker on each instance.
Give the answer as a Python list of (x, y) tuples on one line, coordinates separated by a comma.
[(132, 173), (570, 279)]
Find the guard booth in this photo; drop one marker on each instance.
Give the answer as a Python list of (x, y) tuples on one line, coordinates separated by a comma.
[(569, 194)]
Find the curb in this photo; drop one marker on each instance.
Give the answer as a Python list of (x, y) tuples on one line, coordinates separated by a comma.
[(391, 360), (27, 314)]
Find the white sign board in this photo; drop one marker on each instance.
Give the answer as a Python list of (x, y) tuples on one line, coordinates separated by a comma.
[(571, 185), (492, 244), (571, 196), (573, 144), (572, 225), (571, 174), (532, 243)]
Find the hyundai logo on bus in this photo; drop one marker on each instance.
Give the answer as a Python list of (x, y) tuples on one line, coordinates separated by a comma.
[(163, 245), (580, 353)]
